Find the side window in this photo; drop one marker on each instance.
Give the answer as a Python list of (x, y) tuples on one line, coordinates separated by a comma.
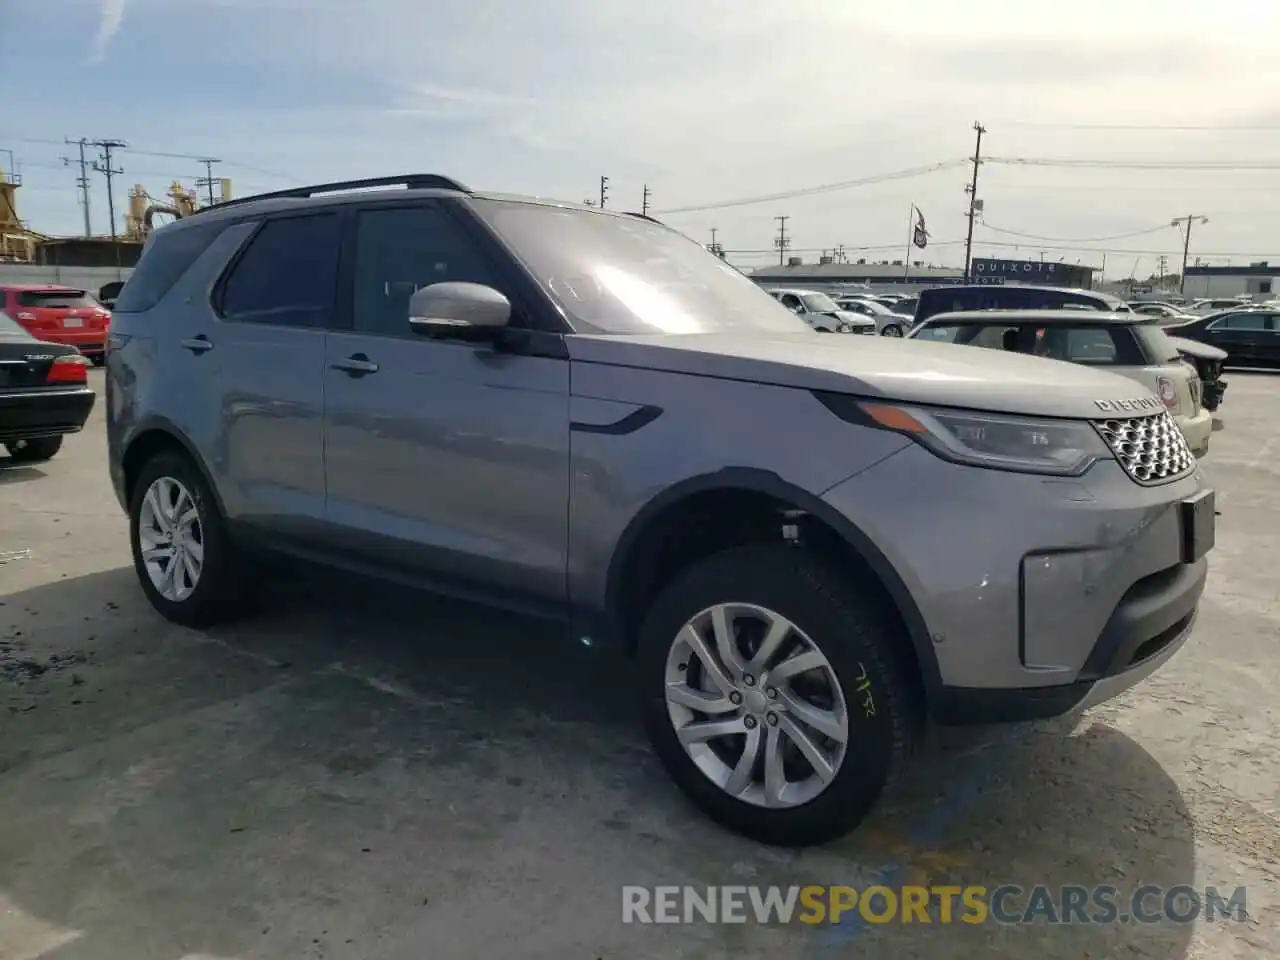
[(1242, 321), (791, 301), (400, 250), (288, 274), (167, 256)]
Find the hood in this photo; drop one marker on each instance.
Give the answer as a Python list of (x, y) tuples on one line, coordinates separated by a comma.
[(911, 371), (1194, 348)]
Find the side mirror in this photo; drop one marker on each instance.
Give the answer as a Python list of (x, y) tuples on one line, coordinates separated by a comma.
[(460, 310)]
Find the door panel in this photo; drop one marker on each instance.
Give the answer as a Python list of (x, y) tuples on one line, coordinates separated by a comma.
[(451, 459)]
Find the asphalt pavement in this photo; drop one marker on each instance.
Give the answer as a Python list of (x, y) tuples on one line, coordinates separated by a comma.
[(360, 772)]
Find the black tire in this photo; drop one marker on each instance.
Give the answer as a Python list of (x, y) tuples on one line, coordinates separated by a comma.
[(34, 451), (98, 359), (853, 628), (891, 330), (221, 593)]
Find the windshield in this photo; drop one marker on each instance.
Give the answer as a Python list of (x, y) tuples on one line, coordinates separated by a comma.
[(818, 303), (625, 275)]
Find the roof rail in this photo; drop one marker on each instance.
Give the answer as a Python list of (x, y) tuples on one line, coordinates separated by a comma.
[(410, 181), (642, 216)]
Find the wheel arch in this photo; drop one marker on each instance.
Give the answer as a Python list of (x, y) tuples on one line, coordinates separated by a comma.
[(153, 437), (667, 505)]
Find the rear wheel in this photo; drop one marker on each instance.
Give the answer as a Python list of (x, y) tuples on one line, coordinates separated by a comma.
[(34, 451), (891, 330), (181, 552), (774, 696), (98, 359)]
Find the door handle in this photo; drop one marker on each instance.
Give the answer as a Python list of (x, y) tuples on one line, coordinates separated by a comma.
[(198, 344), (356, 365)]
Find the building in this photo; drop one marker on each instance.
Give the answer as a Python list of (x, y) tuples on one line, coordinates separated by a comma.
[(827, 274), (1256, 278)]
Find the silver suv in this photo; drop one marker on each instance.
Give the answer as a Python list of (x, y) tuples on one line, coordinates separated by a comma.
[(809, 545)]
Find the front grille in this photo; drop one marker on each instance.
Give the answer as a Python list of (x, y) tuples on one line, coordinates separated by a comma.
[(1151, 449)]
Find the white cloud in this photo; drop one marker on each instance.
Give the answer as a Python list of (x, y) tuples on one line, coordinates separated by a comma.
[(110, 18)]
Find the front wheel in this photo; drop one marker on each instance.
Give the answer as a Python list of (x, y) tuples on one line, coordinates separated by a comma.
[(34, 451), (774, 695), (891, 330)]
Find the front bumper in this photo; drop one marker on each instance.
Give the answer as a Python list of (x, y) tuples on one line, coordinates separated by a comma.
[(1036, 594), (32, 414), (1197, 430)]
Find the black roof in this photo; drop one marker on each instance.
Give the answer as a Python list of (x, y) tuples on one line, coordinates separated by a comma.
[(1049, 318)]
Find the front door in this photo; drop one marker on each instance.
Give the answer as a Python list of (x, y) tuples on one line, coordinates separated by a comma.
[(444, 458)]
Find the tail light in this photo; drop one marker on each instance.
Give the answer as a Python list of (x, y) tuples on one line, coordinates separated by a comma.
[(69, 369), (1168, 392)]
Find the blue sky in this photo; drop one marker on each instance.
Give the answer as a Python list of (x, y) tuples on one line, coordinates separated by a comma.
[(703, 101)]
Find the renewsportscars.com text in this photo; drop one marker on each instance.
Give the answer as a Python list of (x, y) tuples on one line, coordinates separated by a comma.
[(1005, 904)]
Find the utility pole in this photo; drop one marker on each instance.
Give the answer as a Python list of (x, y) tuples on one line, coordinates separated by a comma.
[(1189, 219), (972, 190), (82, 181), (103, 166), (781, 241), (604, 191), (1161, 263), (208, 179), (644, 204)]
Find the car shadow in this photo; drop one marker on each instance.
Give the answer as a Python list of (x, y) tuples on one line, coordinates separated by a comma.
[(273, 788), (11, 472)]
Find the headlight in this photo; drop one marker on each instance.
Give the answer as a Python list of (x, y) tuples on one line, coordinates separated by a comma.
[(1002, 442)]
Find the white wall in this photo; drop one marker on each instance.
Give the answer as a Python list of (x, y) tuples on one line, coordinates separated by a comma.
[(86, 278), (1229, 285)]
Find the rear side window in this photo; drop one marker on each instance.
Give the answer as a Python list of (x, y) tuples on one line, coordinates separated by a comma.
[(165, 260), (288, 274), (1155, 343), (53, 299)]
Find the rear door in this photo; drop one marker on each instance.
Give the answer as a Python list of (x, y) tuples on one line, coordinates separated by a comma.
[(266, 343), (1242, 334)]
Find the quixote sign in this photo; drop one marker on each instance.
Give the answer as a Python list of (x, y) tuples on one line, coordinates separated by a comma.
[(1028, 270)]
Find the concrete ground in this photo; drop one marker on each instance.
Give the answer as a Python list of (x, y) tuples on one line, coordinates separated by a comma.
[(359, 773)]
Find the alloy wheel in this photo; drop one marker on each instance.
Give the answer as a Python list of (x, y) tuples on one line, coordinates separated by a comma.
[(756, 705), (171, 539)]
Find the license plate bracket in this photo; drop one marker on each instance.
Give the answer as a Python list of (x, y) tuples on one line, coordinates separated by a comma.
[(73, 321), (1198, 517)]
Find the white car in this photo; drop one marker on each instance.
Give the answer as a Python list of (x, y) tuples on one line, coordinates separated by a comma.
[(888, 323), (1129, 344), (820, 312)]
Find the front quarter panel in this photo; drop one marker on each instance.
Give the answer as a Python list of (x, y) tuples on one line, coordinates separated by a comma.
[(702, 426)]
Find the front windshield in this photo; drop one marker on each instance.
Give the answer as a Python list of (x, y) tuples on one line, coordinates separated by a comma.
[(626, 275), (818, 303)]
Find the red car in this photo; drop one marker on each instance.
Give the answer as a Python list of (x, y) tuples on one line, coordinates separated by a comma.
[(59, 314)]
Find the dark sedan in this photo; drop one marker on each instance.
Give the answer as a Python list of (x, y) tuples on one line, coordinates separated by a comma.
[(44, 393), (1250, 336)]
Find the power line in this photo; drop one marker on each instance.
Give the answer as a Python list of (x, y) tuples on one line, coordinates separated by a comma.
[(1140, 126), (820, 188), (1118, 236), (208, 180), (275, 174), (1133, 164)]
